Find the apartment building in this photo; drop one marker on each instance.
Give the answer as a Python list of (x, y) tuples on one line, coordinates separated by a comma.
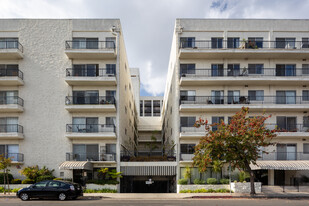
[(66, 97), (218, 66)]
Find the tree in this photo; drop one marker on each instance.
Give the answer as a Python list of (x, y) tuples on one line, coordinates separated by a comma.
[(238, 143), (5, 163)]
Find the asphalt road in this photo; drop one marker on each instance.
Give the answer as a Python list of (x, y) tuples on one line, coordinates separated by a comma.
[(178, 202)]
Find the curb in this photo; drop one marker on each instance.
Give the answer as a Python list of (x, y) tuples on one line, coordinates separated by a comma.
[(250, 197)]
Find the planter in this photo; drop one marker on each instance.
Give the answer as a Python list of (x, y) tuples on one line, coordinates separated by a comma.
[(99, 187), (245, 187), (197, 187)]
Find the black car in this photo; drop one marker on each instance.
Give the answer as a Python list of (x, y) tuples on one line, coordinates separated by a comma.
[(51, 189)]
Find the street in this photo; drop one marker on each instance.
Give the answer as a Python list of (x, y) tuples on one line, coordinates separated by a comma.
[(176, 202)]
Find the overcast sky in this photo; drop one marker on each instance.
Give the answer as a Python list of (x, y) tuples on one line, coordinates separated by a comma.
[(148, 24)]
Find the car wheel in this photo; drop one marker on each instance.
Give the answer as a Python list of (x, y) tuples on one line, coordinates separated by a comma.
[(62, 196), (24, 196)]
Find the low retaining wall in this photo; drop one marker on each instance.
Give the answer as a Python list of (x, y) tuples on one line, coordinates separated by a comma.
[(99, 187), (14, 186), (197, 187)]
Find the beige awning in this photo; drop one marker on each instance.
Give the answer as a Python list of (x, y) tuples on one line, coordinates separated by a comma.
[(281, 165), (75, 165)]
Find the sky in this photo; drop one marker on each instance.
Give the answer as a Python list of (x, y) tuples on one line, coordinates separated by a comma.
[(148, 25)]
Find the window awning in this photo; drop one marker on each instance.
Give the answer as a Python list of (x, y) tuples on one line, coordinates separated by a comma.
[(75, 165), (281, 165)]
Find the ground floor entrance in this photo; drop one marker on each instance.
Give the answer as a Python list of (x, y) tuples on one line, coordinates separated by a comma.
[(148, 184)]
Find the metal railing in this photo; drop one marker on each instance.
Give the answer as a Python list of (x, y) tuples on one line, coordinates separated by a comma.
[(90, 128), (11, 45), (90, 156), (11, 100), (78, 100), (243, 100), (247, 44), (15, 157), (247, 72), (90, 44), (8, 128), (185, 129), (11, 73), (186, 157), (284, 156), (74, 72), (288, 127)]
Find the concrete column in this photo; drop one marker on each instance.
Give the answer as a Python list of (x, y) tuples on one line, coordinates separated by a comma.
[(271, 177)]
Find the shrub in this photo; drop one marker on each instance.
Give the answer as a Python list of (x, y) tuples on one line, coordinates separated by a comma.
[(45, 177), (100, 191), (27, 181), (183, 181), (243, 176), (16, 181), (11, 190), (225, 181), (205, 191), (1, 177), (35, 173), (212, 181), (198, 182), (57, 178)]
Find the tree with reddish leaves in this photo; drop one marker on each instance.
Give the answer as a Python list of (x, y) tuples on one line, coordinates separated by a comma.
[(238, 143)]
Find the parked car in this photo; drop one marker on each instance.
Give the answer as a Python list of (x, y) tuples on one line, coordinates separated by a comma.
[(51, 189)]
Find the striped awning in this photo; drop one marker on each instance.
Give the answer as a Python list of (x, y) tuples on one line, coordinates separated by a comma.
[(148, 170), (281, 165), (75, 165)]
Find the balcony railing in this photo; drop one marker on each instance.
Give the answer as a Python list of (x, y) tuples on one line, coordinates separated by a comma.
[(288, 127), (9, 128), (74, 72), (284, 156), (191, 129), (11, 45), (90, 157), (82, 100), (90, 128), (15, 157), (11, 100), (226, 44), (11, 73), (243, 100), (186, 157), (89, 44), (244, 72)]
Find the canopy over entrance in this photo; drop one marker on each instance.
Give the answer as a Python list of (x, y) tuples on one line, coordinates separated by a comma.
[(74, 165), (280, 165)]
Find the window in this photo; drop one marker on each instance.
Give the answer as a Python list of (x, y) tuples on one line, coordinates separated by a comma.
[(256, 69), (8, 97), (216, 120), (233, 70), (286, 152), (186, 95), (41, 184), (110, 95), (187, 69), (256, 95), (285, 70), (147, 108), (306, 121), (285, 43), (187, 148), (85, 43), (110, 42), (217, 70), (89, 70), (84, 152), (141, 108), (255, 42), (110, 121), (187, 42), (286, 124), (217, 97), (229, 119), (85, 124), (305, 95), (306, 148), (10, 151), (110, 148), (305, 69), (8, 43), (8, 69), (9, 124), (305, 43), (233, 97), (187, 121), (233, 42), (286, 97), (111, 69), (216, 43), (86, 97), (156, 108)]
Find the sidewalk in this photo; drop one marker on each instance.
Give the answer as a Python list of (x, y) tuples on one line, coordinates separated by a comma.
[(161, 196)]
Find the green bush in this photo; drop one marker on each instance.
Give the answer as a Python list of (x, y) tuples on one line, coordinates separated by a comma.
[(225, 181), (183, 181), (57, 178), (45, 177), (1, 177), (199, 182), (205, 191), (27, 181), (35, 173), (103, 182), (243, 176), (16, 181), (100, 191), (11, 190), (212, 181)]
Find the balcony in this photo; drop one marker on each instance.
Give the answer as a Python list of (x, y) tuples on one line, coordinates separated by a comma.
[(90, 131), (90, 103), (11, 77), (15, 157), (290, 130), (208, 49), (97, 77), (244, 76), (288, 156), (11, 104), (234, 103), (93, 157), (190, 132), (11, 50), (11, 131), (93, 50), (186, 157)]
